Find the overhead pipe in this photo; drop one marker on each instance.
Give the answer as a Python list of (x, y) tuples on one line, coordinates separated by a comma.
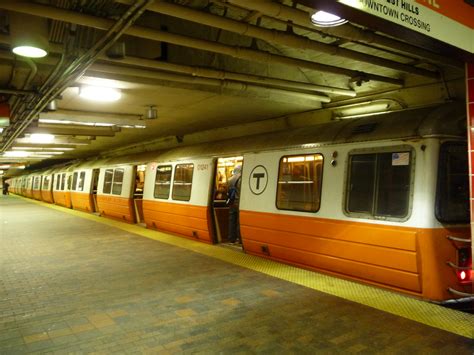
[(347, 31), (223, 84), (201, 72), (222, 81), (225, 75), (156, 35), (75, 70), (17, 92), (279, 37)]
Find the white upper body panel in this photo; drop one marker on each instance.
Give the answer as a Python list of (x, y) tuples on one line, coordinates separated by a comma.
[(127, 182), (423, 188), (201, 181)]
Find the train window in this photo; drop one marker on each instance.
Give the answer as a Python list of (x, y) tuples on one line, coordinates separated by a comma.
[(80, 184), (163, 182), (182, 183), (58, 181), (452, 193), (36, 184), (379, 184), (74, 180), (117, 182), (46, 183), (63, 181), (299, 183), (107, 188)]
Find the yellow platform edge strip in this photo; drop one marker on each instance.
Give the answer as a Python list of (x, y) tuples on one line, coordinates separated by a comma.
[(420, 311)]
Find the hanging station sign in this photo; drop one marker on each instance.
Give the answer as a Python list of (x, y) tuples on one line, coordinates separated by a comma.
[(450, 21)]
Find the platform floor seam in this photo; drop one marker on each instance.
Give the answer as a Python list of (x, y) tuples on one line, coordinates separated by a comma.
[(420, 311)]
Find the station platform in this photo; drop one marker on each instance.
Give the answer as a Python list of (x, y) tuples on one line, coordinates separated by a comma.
[(73, 282)]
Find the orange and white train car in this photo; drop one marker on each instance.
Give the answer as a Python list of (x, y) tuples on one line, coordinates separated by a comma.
[(36, 189), (84, 188), (62, 187), (115, 192), (383, 200), (47, 186), (176, 196)]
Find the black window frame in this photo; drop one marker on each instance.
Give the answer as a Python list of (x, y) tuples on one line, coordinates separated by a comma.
[(163, 196), (81, 179), (441, 183), (178, 198), (319, 186), (63, 181), (380, 150), (117, 185), (58, 181), (107, 185), (46, 180), (75, 177)]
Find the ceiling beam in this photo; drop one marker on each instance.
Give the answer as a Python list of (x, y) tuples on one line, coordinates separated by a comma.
[(279, 37), (200, 44)]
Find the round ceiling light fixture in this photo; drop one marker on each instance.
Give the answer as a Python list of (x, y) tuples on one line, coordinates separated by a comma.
[(29, 35), (326, 19), (29, 51)]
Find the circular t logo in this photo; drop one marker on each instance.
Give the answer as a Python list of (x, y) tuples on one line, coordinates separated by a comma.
[(258, 180)]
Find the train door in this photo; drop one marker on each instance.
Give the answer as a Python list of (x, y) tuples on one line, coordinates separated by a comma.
[(138, 192), (94, 186), (220, 208)]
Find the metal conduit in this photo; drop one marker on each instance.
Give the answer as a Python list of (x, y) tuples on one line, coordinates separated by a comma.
[(224, 75), (76, 69), (347, 31), (224, 84), (279, 37), (284, 86), (201, 72), (242, 53)]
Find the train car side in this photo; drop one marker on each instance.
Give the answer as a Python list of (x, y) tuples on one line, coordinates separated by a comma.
[(62, 188), (407, 252), (82, 198), (115, 193), (176, 198)]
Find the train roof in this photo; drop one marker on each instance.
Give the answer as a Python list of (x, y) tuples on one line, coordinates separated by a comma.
[(447, 120)]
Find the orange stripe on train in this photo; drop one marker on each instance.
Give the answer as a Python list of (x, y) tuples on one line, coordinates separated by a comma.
[(186, 220), (407, 259)]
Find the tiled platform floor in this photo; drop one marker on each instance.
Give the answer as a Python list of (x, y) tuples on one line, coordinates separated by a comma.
[(70, 285)]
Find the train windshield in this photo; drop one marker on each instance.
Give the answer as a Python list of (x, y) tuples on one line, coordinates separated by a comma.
[(452, 195)]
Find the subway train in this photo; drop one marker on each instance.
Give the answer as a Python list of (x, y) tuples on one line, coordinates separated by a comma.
[(381, 199)]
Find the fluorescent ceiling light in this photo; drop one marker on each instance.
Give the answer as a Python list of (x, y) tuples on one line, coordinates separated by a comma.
[(47, 153), (39, 148), (41, 138), (99, 93), (30, 52), (326, 19), (16, 154), (91, 124), (5, 166), (78, 123)]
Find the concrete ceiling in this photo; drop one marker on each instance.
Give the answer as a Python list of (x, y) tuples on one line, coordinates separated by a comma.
[(211, 68)]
